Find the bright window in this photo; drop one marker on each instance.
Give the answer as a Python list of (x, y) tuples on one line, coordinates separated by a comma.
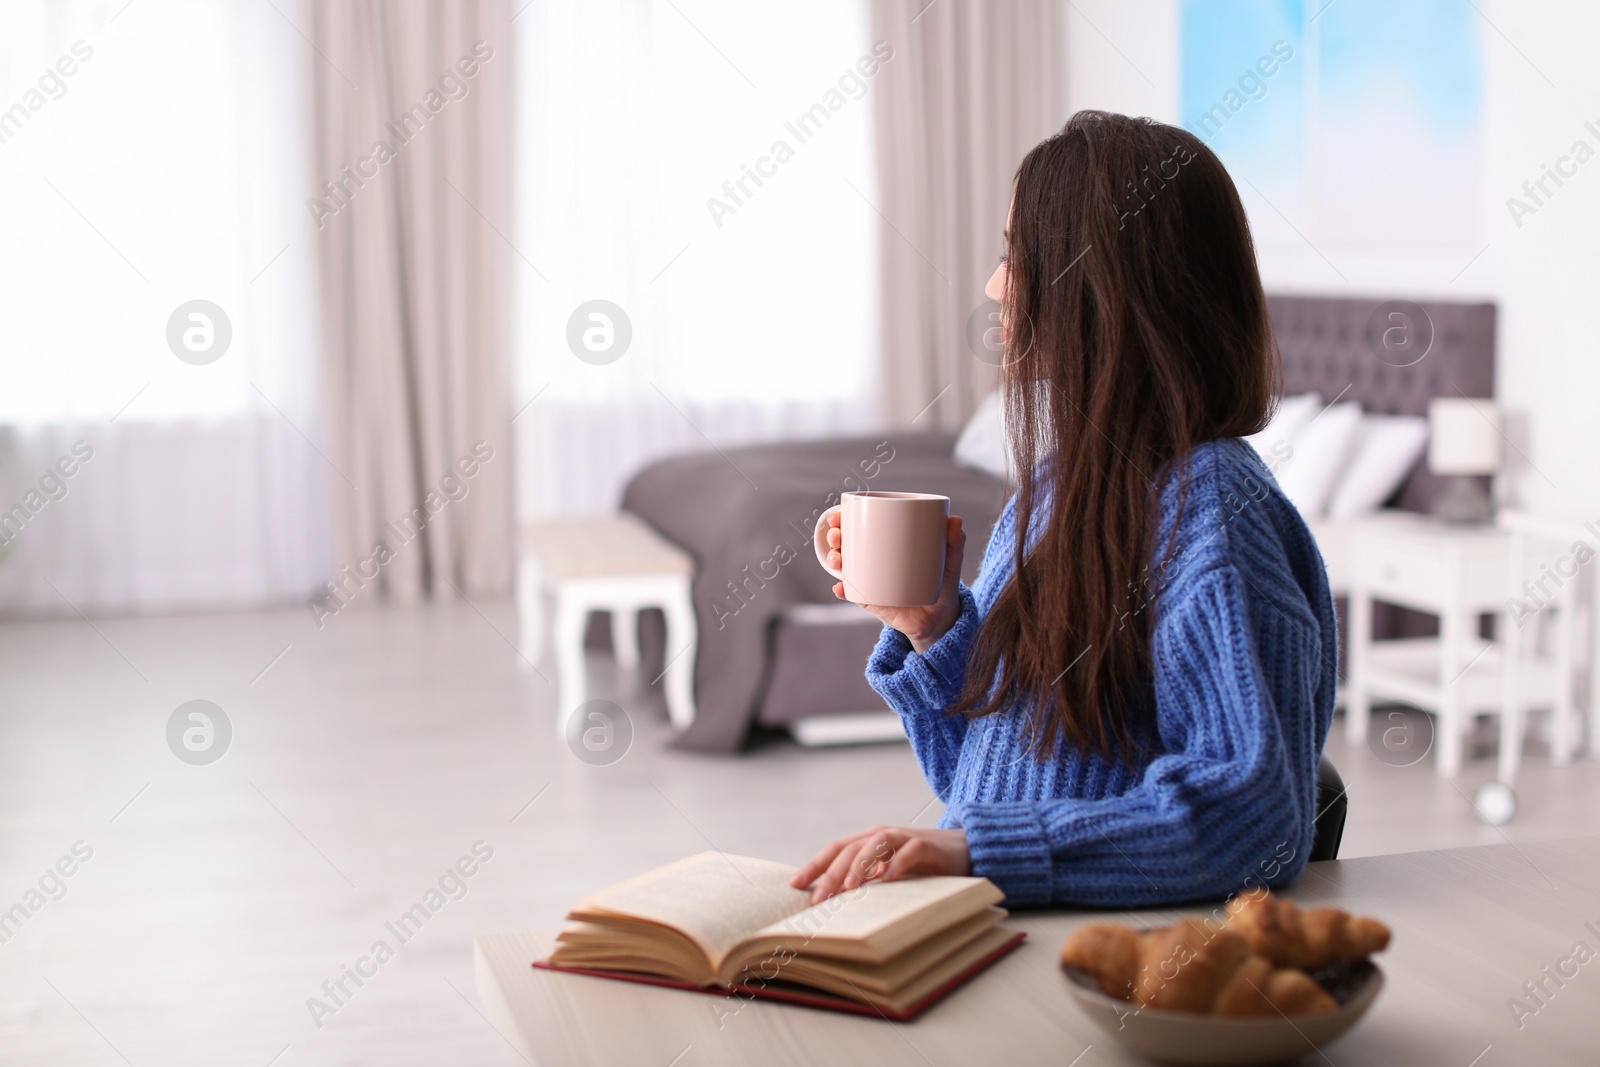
[(120, 167), (632, 115)]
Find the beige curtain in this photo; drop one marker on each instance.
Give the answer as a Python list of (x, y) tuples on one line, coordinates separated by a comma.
[(411, 117), (971, 87)]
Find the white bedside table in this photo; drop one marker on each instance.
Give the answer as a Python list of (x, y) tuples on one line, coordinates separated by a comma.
[(1551, 544), (1456, 573)]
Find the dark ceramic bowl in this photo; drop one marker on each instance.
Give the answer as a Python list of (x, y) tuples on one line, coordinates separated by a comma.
[(1181, 1037)]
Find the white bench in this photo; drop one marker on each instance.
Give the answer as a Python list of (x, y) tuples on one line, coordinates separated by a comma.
[(614, 563)]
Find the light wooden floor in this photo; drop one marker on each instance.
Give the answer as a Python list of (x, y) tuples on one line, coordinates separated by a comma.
[(365, 761)]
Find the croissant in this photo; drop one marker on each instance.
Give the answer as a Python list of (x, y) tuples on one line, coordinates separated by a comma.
[(1191, 967), (1311, 939)]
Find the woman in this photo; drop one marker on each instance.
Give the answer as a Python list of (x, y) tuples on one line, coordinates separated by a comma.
[(1128, 706)]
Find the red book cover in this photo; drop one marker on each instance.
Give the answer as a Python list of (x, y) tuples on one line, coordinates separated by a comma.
[(795, 994)]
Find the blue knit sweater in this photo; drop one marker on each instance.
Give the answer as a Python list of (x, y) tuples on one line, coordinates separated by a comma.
[(1243, 655)]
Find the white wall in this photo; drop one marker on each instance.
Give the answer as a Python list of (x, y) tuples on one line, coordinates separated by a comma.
[(1122, 55), (1546, 274)]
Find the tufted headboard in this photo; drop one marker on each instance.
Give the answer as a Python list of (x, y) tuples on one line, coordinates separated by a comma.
[(1390, 356)]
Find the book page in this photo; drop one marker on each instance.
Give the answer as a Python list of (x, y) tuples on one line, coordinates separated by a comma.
[(716, 899), (886, 914), (883, 979)]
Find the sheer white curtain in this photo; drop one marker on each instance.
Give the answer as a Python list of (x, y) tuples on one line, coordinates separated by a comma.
[(752, 318), (154, 157)]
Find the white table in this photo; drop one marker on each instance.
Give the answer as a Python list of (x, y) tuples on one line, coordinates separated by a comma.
[(1457, 573), (613, 563), (1470, 926), (1547, 545)]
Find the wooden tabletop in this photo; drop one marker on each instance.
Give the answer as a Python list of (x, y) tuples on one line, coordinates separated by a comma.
[(1471, 926)]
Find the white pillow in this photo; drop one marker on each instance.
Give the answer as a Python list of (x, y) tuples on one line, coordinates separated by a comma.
[(1318, 454), (1292, 415), (982, 443), (1386, 448)]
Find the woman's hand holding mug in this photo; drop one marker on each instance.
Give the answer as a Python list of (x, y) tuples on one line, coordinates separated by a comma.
[(921, 624)]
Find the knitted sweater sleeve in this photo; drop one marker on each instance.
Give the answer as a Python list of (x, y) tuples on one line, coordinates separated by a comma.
[(1229, 805), (921, 687)]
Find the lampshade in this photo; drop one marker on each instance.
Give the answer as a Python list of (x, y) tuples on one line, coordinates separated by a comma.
[(1463, 436)]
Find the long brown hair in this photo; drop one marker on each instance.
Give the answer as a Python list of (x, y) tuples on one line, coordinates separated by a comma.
[(1137, 329)]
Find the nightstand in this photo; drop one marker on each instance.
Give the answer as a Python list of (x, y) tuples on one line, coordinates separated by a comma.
[(1556, 547), (1457, 573)]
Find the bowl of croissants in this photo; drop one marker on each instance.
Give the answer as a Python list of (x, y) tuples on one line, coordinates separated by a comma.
[(1260, 981)]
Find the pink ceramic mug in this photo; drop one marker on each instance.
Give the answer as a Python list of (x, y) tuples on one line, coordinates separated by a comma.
[(893, 547)]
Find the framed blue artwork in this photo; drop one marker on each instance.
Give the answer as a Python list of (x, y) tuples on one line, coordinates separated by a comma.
[(1353, 122)]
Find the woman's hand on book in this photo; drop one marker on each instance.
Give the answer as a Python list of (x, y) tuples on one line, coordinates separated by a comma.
[(885, 853), (922, 626)]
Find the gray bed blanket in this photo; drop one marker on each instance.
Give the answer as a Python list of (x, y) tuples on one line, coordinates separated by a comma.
[(747, 517)]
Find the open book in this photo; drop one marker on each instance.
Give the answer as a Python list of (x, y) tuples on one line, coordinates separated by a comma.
[(730, 923)]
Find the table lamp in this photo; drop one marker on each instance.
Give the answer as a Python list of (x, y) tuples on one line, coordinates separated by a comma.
[(1463, 442)]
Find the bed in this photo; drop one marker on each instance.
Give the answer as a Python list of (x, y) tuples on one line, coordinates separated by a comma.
[(777, 650), (1326, 348), (775, 646)]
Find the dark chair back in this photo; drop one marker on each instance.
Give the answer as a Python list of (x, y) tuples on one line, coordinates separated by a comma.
[(1332, 804)]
